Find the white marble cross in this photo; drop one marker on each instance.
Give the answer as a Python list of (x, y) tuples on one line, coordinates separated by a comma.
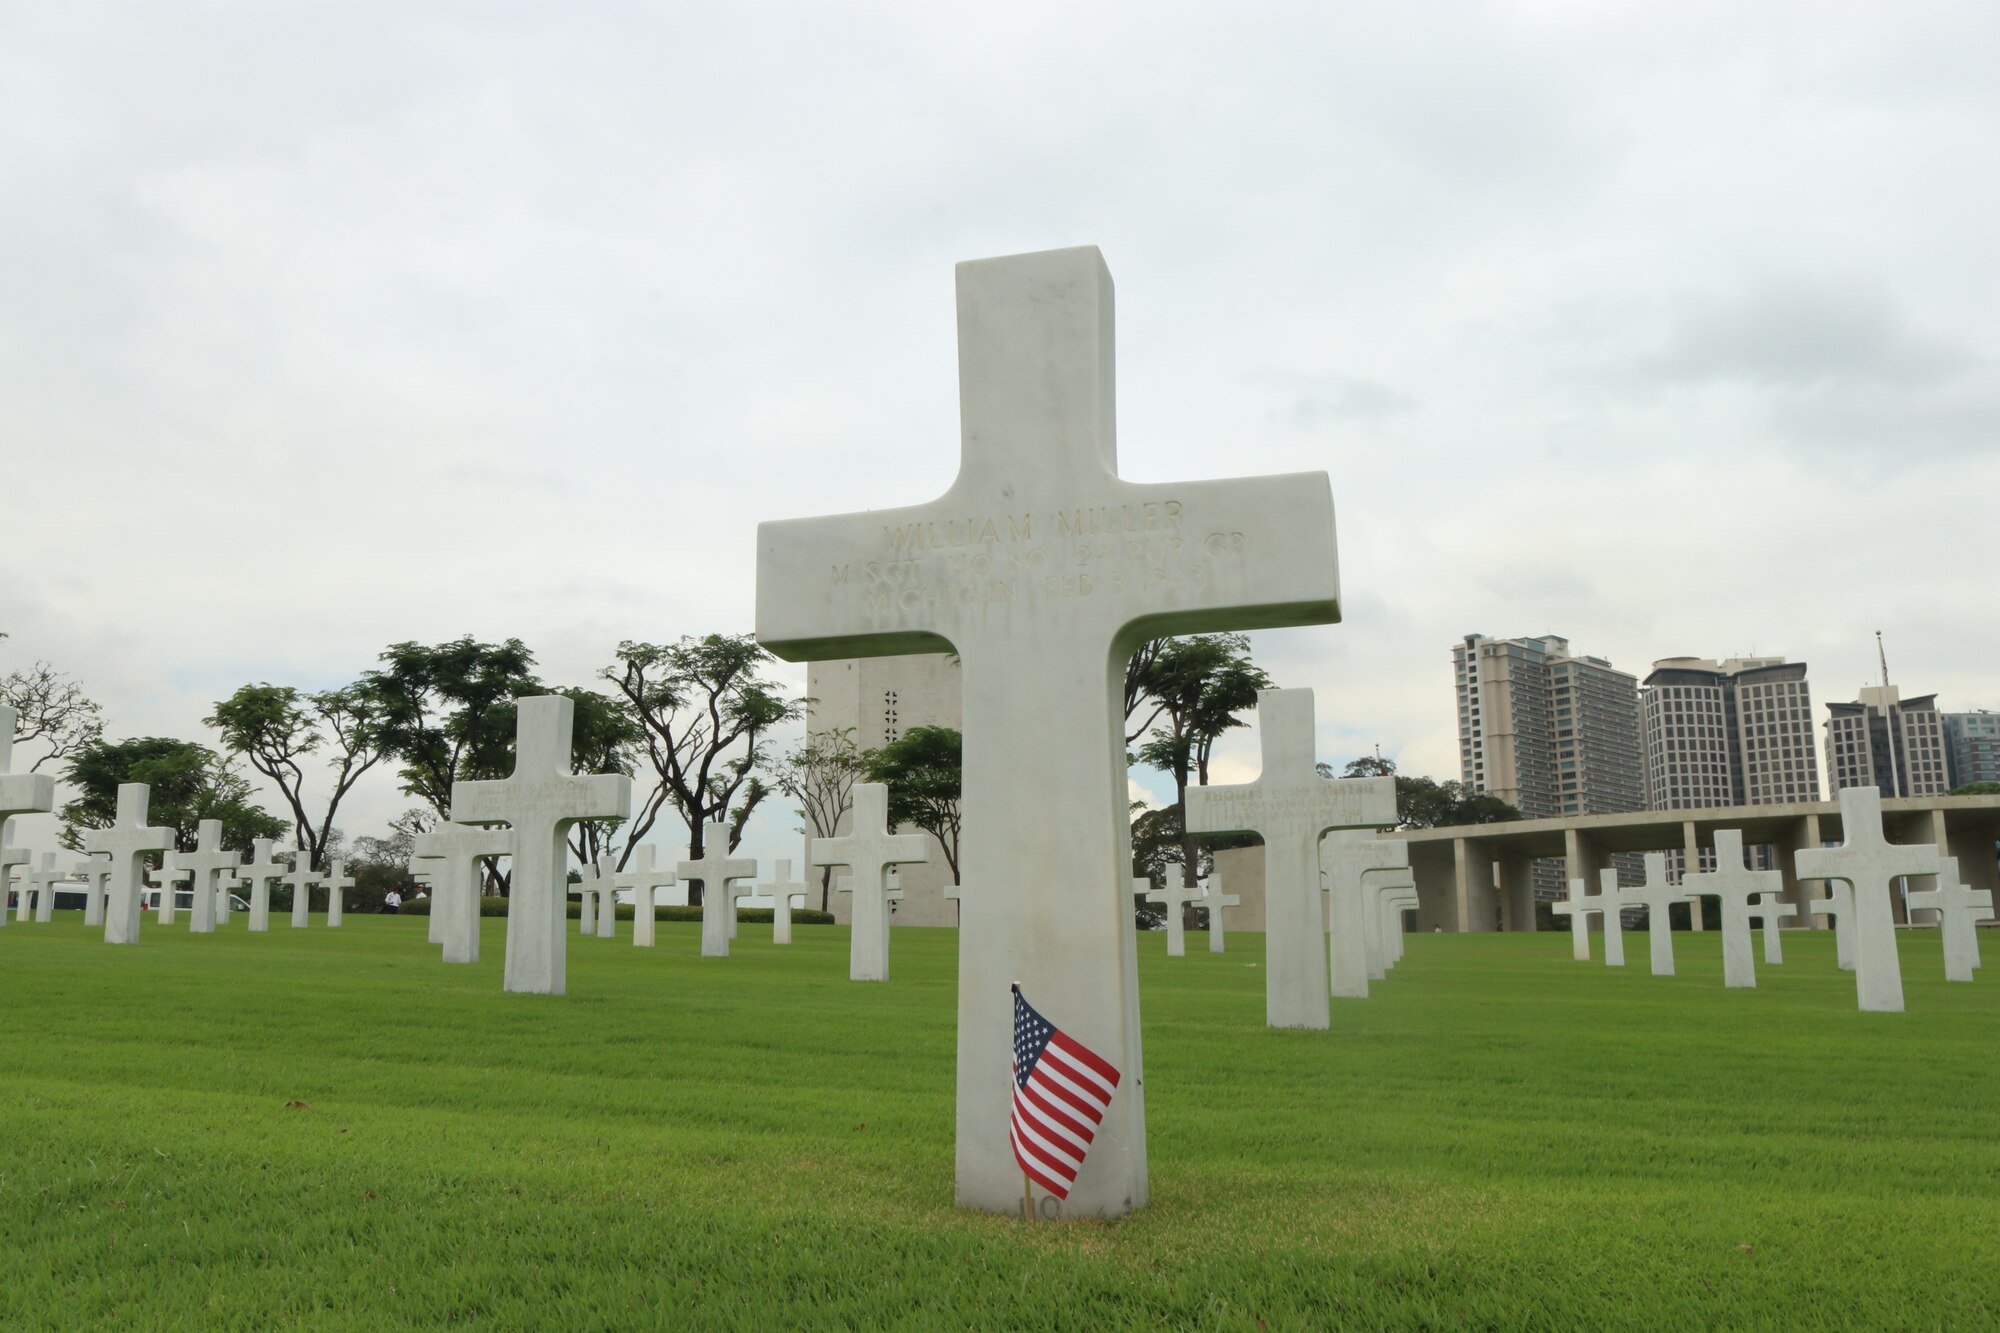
[(1735, 886), (1656, 895), (337, 883), (263, 868), (541, 800), (1174, 897), (1870, 865), (208, 863), (1040, 553), (1291, 807), (10, 856), (96, 872), (1379, 887), (714, 871), (1614, 916), (43, 881), (1348, 857), (1213, 900), (166, 882), (782, 890), (20, 794), (607, 900), (1959, 910), (1838, 904), (586, 907), (457, 850), (226, 885), (1393, 906), (426, 879), (300, 879), (1770, 909), (868, 851), (645, 880), (1578, 907)]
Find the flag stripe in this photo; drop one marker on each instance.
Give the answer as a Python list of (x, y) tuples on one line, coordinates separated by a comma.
[(1052, 1132), (1054, 1154), (1059, 1188), (1049, 1110), (1052, 1081), (1088, 1058)]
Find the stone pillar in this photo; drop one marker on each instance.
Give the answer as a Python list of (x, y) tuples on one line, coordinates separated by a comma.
[(1691, 865), (1584, 860), (1434, 866), (1972, 843), (1517, 893), (1472, 863)]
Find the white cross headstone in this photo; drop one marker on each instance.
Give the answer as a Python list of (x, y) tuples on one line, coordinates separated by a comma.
[(43, 881), (1735, 886), (782, 890), (263, 868), (1349, 857), (1656, 895), (426, 878), (1291, 807), (586, 904), (1394, 905), (96, 872), (868, 851), (607, 901), (1838, 905), (1770, 909), (1174, 897), (207, 864), (226, 885), (1614, 916), (1869, 865), (645, 880), (1040, 549), (20, 793), (1959, 910), (456, 851), (300, 880), (715, 871), (1213, 900), (166, 882), (541, 800), (1579, 907), (10, 856), (337, 883), (1381, 886)]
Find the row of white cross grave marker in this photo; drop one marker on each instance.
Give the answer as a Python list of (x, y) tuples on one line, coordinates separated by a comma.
[(113, 868), (1861, 875)]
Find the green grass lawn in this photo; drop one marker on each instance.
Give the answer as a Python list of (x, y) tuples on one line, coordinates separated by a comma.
[(333, 1128)]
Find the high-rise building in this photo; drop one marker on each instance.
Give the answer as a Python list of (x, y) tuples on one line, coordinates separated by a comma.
[(1974, 742), (1549, 732), (1736, 732), (1884, 740)]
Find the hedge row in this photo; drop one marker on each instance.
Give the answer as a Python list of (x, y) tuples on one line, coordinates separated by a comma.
[(803, 916)]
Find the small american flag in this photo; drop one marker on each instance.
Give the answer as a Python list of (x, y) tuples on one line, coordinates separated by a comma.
[(1061, 1088)]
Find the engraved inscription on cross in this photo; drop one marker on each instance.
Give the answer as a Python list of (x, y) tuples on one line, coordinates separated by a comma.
[(1736, 887), (1291, 807), (1869, 864), (1043, 570), (540, 801), (715, 872), (868, 850)]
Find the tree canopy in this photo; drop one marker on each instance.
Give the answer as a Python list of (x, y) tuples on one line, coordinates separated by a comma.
[(190, 783), (923, 768)]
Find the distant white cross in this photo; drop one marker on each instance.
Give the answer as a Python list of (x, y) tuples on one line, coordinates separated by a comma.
[(586, 893), (715, 871), (20, 794), (1578, 907), (166, 882), (1291, 807), (1656, 895), (1959, 910), (11, 856), (868, 851), (301, 880), (1381, 886), (1614, 916), (783, 889), (1213, 900), (1735, 886), (263, 868), (96, 872), (1393, 906), (456, 850), (1838, 907), (1870, 864), (43, 881), (607, 900), (1174, 897), (207, 864), (337, 883), (1349, 857), (540, 800), (644, 880), (1770, 909)]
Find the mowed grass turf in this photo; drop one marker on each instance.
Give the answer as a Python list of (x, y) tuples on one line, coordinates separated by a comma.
[(331, 1127)]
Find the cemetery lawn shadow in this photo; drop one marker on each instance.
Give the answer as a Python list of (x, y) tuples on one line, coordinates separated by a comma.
[(330, 1128)]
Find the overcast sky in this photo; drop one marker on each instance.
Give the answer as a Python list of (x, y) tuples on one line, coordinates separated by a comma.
[(326, 326)]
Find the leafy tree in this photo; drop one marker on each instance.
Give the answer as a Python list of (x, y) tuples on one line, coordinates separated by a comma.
[(1976, 789), (446, 712), (705, 713), (1201, 685), (820, 774), (605, 740), (1427, 803), (52, 710), (922, 768), (190, 783), (276, 726)]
